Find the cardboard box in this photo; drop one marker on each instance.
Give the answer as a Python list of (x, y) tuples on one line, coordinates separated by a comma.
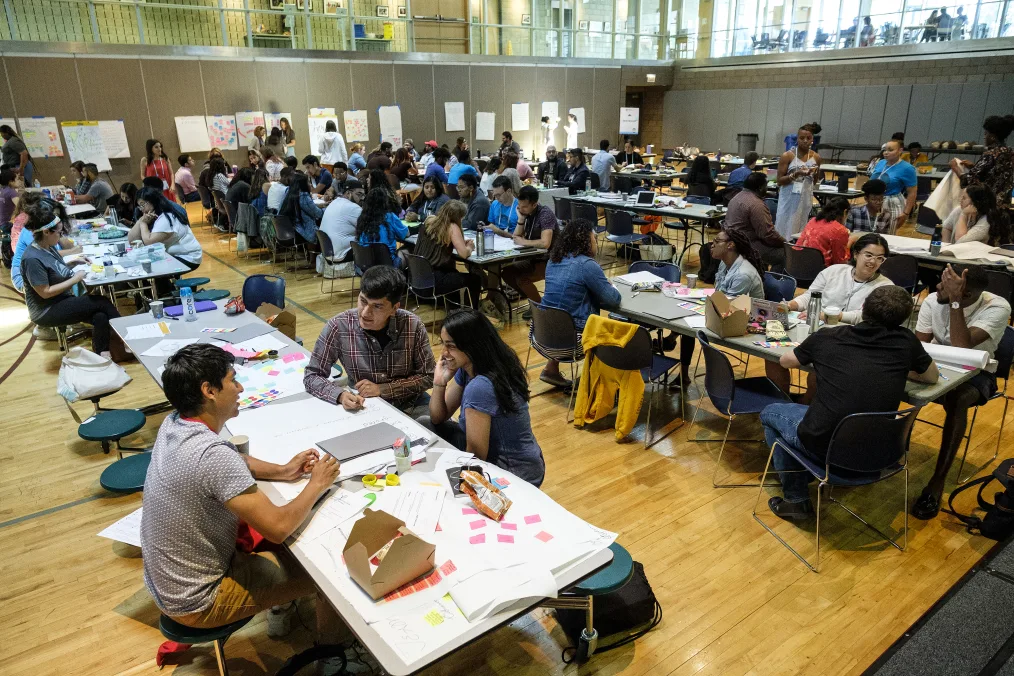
[(283, 320), (727, 318), (408, 558)]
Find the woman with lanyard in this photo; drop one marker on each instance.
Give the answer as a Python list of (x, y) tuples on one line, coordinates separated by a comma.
[(900, 178), (155, 163), (796, 169), (843, 286), (431, 198)]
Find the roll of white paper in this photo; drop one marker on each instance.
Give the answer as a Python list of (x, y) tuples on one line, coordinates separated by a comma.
[(957, 355)]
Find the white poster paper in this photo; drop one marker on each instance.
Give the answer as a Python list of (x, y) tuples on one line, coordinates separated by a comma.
[(629, 119), (356, 126), (41, 136), (390, 125), (271, 120), (317, 128), (485, 126), (322, 112), (84, 144), (551, 109), (192, 132), (454, 116), (519, 117), (114, 138), (222, 132), (246, 122), (127, 529), (579, 114)]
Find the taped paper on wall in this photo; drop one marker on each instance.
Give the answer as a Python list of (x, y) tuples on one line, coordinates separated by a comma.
[(271, 120), (192, 132), (222, 132), (114, 138), (317, 127), (629, 120), (84, 144), (485, 126), (246, 122), (322, 112), (41, 136), (519, 117), (551, 109), (454, 116), (357, 127), (390, 125)]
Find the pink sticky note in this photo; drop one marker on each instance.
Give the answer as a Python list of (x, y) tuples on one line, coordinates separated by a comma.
[(532, 518), (477, 524), (544, 536), (477, 539), (509, 539), (274, 372), (508, 526), (468, 511), (295, 356)]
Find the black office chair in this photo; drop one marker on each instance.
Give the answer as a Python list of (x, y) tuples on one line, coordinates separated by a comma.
[(423, 285), (285, 240), (365, 257)]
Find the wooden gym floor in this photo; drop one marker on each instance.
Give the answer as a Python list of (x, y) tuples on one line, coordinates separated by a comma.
[(734, 600)]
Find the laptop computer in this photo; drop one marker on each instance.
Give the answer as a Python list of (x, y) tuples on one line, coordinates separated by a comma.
[(361, 442)]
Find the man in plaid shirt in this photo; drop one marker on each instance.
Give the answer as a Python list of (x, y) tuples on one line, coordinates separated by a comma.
[(385, 350), (870, 217)]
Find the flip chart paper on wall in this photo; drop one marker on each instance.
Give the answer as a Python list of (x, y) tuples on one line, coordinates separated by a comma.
[(322, 112), (317, 128), (84, 144), (551, 109), (485, 126), (579, 114), (519, 117), (222, 132), (41, 136), (390, 125), (246, 122), (454, 116), (114, 138), (629, 119), (356, 126), (271, 120), (192, 132)]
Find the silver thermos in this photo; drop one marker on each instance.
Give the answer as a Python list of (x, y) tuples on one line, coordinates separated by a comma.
[(813, 309), (480, 243)]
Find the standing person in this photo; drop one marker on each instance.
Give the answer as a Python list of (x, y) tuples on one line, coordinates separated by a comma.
[(977, 219), (796, 171), (331, 147), (571, 128), (377, 224), (340, 218), (549, 125), (475, 200), (356, 161), (288, 136), (900, 178), (944, 25), (929, 34), (748, 214), (431, 198), (15, 154), (185, 179), (482, 376), (995, 167), (257, 140), (155, 163), (98, 190), (275, 143), (603, 164), (440, 238), (577, 177), (870, 217), (827, 233)]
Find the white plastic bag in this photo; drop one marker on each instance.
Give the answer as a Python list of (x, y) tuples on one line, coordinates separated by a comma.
[(336, 270), (945, 196), (242, 243), (84, 374)]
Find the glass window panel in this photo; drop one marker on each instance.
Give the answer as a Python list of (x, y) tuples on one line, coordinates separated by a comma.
[(593, 41), (721, 28), (987, 26)]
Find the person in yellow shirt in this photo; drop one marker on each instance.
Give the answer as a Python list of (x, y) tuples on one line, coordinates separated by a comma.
[(914, 155)]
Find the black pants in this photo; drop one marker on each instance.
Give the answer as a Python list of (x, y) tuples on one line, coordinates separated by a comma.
[(956, 404), (773, 256), (164, 286), (94, 310), (449, 280)]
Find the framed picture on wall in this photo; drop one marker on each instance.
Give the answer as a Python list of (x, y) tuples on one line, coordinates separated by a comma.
[(383, 10), (332, 6), (276, 4), (526, 19), (582, 25), (402, 11)]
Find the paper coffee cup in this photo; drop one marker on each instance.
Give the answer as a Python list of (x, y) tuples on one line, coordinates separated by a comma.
[(242, 443), (691, 281), (146, 264), (832, 315), (157, 309)]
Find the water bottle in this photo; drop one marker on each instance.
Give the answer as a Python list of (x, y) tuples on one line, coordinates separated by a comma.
[(403, 455), (189, 311), (937, 241), (489, 240), (813, 309), (587, 186), (36, 184), (480, 243)]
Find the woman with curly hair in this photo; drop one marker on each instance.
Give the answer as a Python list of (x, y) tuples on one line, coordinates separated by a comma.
[(576, 284), (977, 219), (376, 179), (377, 224)]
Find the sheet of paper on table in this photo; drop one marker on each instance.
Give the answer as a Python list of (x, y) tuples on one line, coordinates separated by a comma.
[(422, 628), (337, 508), (153, 330), (695, 321), (168, 347), (418, 507), (491, 591), (127, 529)]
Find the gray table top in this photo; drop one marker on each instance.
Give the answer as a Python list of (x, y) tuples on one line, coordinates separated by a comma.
[(694, 212), (163, 268)]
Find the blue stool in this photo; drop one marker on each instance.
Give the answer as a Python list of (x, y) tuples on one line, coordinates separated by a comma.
[(127, 474), (174, 631), (211, 294), (580, 595), (191, 282), (111, 426)]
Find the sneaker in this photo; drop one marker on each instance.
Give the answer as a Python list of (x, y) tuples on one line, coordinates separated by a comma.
[(280, 620), (555, 379), (926, 507), (44, 333), (791, 511)]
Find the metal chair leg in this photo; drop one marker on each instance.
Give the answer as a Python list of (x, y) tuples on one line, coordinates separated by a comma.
[(223, 670), (760, 494), (573, 386)]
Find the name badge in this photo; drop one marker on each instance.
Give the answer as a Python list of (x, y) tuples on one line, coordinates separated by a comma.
[(797, 187)]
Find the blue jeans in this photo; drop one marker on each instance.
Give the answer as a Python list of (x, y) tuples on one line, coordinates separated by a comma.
[(782, 420), (192, 197)]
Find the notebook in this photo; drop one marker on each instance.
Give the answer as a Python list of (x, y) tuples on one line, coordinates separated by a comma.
[(367, 440)]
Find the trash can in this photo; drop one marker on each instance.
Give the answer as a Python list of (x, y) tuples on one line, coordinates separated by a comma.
[(747, 143)]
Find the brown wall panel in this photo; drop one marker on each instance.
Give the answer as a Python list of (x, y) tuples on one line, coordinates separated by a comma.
[(520, 88), (228, 89), (451, 84), (581, 94), (488, 96), (413, 87), (608, 99), (174, 89), (283, 90), (372, 87)]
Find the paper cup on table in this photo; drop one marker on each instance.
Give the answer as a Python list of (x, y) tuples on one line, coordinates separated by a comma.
[(832, 315), (242, 443), (157, 309), (691, 281), (146, 264), (110, 271)]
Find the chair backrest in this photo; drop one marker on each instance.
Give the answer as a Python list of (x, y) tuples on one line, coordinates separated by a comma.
[(1005, 353), (926, 220), (179, 193), (1000, 283), (633, 356), (871, 442), (420, 273), (596, 180), (393, 181), (553, 328), (902, 270), (368, 255), (452, 191), (562, 206), (779, 287), (803, 262), (670, 272), (719, 380), (588, 212), (619, 223), (326, 248), (230, 212), (258, 289), (284, 230), (205, 194), (772, 204), (698, 199)]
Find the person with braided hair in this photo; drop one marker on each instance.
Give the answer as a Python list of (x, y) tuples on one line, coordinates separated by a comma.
[(740, 270)]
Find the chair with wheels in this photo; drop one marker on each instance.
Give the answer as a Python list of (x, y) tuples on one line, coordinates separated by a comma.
[(423, 285), (620, 229), (554, 336), (259, 289), (731, 398), (804, 263), (865, 448), (179, 633), (779, 287)]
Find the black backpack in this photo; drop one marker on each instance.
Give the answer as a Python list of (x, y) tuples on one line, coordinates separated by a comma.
[(997, 522)]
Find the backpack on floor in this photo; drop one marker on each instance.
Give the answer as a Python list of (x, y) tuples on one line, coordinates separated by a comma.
[(997, 522)]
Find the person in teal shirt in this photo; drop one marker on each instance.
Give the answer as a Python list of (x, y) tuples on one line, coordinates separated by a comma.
[(900, 178), (463, 166), (377, 224), (503, 210)]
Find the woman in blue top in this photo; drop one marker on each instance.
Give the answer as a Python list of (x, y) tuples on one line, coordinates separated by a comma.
[(575, 283), (429, 201), (299, 207), (258, 195), (482, 375), (356, 160), (900, 177), (377, 224)]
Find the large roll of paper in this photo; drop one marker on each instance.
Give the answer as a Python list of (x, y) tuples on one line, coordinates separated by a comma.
[(958, 356)]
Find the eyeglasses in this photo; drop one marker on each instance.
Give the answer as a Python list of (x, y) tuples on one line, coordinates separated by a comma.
[(870, 257)]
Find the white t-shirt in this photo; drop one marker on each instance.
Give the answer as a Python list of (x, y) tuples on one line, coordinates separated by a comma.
[(181, 243), (838, 288), (979, 232), (990, 313), (486, 183), (276, 195), (339, 223)]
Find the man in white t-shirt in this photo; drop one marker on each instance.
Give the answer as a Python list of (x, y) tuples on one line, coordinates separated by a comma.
[(963, 314), (278, 189), (340, 217)]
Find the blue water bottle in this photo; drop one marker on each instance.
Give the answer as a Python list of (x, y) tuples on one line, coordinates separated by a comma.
[(189, 311)]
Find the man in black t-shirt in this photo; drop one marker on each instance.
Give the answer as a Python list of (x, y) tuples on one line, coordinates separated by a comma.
[(860, 369)]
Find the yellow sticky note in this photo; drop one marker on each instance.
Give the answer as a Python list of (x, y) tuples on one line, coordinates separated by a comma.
[(434, 618), (163, 327)]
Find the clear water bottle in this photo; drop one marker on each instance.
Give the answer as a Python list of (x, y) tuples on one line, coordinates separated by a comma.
[(189, 310), (813, 309), (938, 240), (587, 186), (489, 240)]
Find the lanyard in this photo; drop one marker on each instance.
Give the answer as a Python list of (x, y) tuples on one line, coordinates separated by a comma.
[(499, 218)]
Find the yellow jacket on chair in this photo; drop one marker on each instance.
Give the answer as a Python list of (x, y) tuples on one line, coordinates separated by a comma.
[(599, 383)]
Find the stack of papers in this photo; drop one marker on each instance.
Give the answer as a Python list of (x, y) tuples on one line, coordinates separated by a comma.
[(642, 277)]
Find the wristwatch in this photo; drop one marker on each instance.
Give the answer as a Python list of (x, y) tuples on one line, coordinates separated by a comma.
[(955, 305)]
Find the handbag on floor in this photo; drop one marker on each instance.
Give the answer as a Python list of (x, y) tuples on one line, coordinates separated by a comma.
[(84, 374), (997, 523)]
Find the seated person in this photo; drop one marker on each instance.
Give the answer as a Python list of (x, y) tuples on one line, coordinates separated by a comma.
[(963, 314), (98, 190), (300, 208), (378, 224), (914, 154), (273, 164), (503, 210), (481, 375), (827, 233), (381, 157), (512, 161), (463, 166), (491, 174), (65, 245), (603, 164), (340, 218), (629, 157), (575, 283), (278, 188), (339, 175), (440, 238), (178, 209), (737, 177), (198, 490), (159, 222), (845, 286), (750, 216), (871, 216), (554, 166), (427, 155), (185, 178), (319, 177), (977, 219), (475, 200), (20, 216), (740, 269), (845, 360), (385, 350), (436, 168), (578, 176), (239, 186), (429, 201), (535, 228), (402, 167), (8, 196), (257, 195), (254, 159), (127, 204), (49, 284), (698, 179), (356, 161)]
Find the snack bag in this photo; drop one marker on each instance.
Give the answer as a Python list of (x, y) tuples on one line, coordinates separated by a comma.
[(488, 499)]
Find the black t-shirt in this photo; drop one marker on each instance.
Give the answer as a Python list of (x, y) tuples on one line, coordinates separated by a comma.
[(379, 161), (382, 336), (860, 369), (238, 193)]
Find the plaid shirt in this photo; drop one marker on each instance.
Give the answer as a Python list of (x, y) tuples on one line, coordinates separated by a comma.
[(403, 369), (859, 220)]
